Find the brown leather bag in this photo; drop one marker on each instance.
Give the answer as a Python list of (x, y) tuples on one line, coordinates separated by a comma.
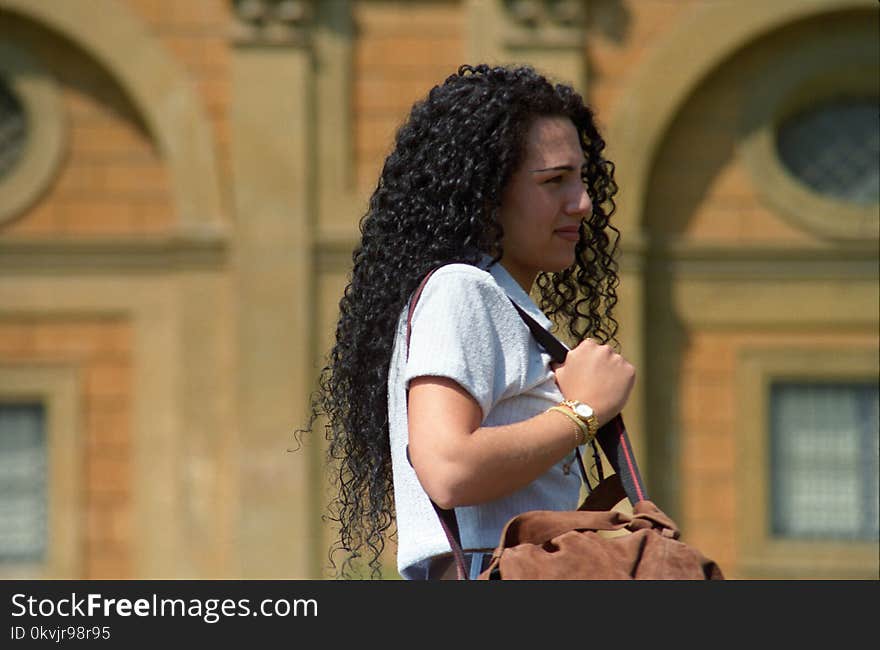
[(593, 542), (553, 545)]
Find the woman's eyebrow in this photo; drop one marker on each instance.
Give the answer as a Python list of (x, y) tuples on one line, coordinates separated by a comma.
[(558, 168)]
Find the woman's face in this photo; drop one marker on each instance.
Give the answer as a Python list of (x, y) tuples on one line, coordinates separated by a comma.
[(543, 204)]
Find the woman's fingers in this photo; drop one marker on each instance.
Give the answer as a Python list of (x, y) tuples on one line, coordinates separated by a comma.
[(594, 373)]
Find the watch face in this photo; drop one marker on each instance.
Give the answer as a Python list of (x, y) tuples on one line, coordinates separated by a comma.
[(583, 410)]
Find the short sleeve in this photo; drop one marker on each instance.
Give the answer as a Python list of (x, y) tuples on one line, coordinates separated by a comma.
[(464, 328)]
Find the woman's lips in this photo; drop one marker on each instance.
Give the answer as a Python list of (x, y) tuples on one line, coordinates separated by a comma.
[(570, 234)]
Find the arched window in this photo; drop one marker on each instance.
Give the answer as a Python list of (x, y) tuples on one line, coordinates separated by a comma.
[(30, 149), (834, 148), (811, 135)]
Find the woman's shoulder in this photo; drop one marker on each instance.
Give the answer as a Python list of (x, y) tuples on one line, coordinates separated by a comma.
[(460, 292), (464, 277)]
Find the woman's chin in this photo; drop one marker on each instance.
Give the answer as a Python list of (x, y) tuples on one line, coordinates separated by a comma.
[(562, 263)]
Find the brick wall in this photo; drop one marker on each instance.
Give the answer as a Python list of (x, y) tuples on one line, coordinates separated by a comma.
[(708, 464), (700, 188), (621, 37), (111, 180), (196, 33), (101, 349), (401, 50)]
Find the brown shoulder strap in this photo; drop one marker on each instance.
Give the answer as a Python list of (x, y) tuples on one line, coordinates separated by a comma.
[(447, 517), (612, 437)]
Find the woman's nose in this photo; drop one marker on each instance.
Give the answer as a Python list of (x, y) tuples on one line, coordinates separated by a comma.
[(580, 205)]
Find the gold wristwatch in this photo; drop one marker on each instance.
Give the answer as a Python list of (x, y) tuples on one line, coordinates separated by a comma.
[(585, 414)]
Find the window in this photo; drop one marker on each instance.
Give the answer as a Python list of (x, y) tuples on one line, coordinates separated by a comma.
[(810, 134), (824, 460), (13, 129), (834, 148), (23, 483), (32, 128), (808, 447), (41, 482)]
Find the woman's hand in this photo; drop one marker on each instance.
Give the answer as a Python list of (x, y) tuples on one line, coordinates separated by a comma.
[(596, 375)]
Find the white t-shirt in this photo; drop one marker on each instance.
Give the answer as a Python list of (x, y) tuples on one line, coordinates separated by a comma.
[(465, 328)]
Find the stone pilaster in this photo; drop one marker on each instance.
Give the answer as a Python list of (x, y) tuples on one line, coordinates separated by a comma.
[(286, 23), (547, 34), (272, 149)]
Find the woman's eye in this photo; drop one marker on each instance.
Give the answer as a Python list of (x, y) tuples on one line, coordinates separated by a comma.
[(554, 179)]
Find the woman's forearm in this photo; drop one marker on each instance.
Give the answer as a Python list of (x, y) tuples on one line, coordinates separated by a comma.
[(497, 461)]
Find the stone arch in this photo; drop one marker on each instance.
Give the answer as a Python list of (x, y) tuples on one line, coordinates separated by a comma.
[(158, 89), (689, 53)]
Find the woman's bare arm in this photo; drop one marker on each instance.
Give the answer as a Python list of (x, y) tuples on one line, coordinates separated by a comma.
[(461, 463)]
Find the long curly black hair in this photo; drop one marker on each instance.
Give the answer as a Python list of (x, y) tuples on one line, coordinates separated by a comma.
[(436, 202)]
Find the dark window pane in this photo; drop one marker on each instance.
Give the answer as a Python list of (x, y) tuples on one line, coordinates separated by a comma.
[(23, 494), (834, 148), (824, 460), (13, 129)]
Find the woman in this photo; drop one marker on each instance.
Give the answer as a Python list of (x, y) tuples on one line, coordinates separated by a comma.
[(498, 178)]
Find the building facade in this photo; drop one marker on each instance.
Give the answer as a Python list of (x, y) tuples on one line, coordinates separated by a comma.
[(180, 190)]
